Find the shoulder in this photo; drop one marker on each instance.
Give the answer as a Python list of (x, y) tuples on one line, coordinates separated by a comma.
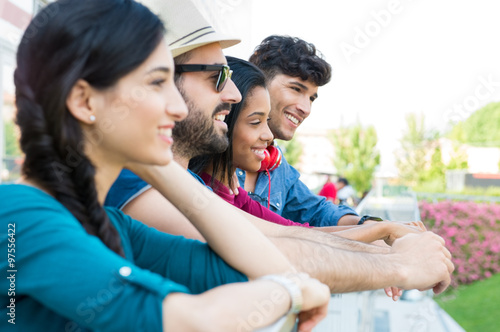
[(285, 172), (127, 187), (39, 219), (27, 200)]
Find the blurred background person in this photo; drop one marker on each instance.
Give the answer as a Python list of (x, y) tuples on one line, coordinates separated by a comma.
[(329, 190), (346, 195)]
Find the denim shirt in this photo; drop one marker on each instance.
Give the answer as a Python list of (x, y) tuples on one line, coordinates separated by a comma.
[(291, 198)]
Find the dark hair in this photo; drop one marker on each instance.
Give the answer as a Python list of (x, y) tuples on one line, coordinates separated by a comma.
[(246, 77), (344, 181), (291, 56), (98, 41)]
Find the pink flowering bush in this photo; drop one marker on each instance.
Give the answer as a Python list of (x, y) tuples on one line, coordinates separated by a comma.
[(472, 234)]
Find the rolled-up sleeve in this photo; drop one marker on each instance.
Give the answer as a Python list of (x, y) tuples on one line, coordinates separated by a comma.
[(305, 206)]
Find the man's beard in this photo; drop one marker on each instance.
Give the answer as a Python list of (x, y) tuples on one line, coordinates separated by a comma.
[(196, 135)]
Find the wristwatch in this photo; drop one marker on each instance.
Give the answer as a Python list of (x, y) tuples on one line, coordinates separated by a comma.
[(292, 289), (367, 217)]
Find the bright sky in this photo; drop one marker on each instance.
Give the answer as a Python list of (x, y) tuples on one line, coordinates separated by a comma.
[(391, 58)]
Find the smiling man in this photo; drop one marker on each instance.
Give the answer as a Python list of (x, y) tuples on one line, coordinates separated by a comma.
[(294, 71), (204, 129)]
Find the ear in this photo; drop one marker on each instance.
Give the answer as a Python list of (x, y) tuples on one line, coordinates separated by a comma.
[(78, 102)]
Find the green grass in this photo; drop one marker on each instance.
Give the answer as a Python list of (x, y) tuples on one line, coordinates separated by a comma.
[(476, 307)]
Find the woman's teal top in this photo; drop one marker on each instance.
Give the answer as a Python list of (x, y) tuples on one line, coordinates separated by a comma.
[(56, 277)]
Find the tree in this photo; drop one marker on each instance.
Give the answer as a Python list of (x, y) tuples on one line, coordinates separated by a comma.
[(458, 159), (356, 156), (481, 128), (411, 159), (11, 139), (292, 150), (434, 174)]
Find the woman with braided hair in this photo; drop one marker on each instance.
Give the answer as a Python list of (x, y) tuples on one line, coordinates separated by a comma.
[(95, 93)]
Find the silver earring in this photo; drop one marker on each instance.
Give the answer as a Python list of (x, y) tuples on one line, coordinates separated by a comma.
[(92, 118)]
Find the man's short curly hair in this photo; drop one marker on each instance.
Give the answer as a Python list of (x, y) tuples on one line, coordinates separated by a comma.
[(291, 56)]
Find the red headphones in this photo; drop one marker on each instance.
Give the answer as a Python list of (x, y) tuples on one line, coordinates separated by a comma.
[(272, 159)]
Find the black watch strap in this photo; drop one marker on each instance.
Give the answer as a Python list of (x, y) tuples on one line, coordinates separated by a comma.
[(367, 217)]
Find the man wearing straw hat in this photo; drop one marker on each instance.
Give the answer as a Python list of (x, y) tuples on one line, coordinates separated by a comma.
[(204, 81)]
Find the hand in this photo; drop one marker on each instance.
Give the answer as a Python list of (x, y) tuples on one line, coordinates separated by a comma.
[(236, 185), (425, 262), (393, 292), (310, 318), (144, 171), (396, 230), (155, 175), (420, 225), (315, 298)]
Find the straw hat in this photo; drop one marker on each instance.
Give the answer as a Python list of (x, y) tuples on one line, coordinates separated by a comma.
[(186, 27)]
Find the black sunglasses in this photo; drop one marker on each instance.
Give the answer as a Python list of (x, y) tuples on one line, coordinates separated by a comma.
[(224, 72)]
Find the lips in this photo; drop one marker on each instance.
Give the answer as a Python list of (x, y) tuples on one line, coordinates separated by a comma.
[(221, 111), (165, 133), (220, 117), (296, 121), (259, 152)]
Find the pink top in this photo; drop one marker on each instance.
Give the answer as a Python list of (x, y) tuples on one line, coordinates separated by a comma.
[(245, 203)]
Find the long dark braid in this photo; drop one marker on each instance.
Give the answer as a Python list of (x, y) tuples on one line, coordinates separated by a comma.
[(99, 41)]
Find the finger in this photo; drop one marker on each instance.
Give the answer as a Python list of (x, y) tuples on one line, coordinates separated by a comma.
[(447, 253), (450, 266), (439, 238), (309, 319), (422, 226), (396, 293), (441, 286), (388, 291), (236, 184), (399, 292)]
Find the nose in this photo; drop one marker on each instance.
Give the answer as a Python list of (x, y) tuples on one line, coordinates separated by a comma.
[(304, 106), (230, 94), (176, 107), (266, 134)]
